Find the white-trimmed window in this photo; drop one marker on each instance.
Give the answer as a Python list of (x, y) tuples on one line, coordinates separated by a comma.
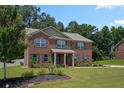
[(40, 42), (80, 45), (61, 44), (45, 58), (85, 59), (34, 57)]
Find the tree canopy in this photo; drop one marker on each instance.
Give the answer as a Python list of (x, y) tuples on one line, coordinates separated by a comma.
[(33, 17), (104, 38), (12, 35)]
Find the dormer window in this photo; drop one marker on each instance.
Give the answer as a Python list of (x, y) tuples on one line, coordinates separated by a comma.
[(40, 42), (61, 44)]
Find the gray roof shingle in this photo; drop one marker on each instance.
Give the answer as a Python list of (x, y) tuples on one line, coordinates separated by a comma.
[(53, 33), (77, 37)]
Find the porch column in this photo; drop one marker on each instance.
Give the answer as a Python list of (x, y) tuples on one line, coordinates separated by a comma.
[(65, 59), (54, 58), (73, 59)]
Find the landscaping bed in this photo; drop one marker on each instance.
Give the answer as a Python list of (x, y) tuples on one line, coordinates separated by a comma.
[(28, 81)]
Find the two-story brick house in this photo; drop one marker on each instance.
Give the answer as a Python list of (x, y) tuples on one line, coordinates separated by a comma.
[(119, 50), (59, 47)]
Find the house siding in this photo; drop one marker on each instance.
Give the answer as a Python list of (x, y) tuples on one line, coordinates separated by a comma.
[(119, 51)]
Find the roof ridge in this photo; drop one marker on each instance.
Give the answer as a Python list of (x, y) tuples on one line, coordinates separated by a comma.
[(55, 30)]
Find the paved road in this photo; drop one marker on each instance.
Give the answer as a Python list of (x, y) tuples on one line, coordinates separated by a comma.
[(17, 62)]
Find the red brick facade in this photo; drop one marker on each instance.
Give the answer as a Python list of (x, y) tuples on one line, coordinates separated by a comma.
[(119, 50), (52, 45)]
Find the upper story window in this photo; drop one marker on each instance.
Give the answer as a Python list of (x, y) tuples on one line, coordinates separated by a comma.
[(40, 42), (61, 44), (80, 45)]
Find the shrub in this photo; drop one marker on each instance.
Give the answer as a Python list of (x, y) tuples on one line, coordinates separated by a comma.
[(31, 63), (106, 58), (101, 65), (86, 64), (95, 65), (41, 71), (60, 65), (21, 63), (79, 64), (28, 74), (41, 65), (59, 72), (45, 65), (51, 68), (37, 65)]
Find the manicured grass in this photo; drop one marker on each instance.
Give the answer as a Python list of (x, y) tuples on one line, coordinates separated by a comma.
[(89, 78), (110, 62), (85, 77), (15, 71)]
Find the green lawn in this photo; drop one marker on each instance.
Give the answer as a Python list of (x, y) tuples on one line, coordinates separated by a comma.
[(15, 71), (110, 62), (89, 78), (85, 77)]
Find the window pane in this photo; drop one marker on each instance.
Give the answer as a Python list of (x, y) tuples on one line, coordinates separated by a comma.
[(34, 57), (80, 45), (61, 44), (85, 59), (45, 58), (40, 42)]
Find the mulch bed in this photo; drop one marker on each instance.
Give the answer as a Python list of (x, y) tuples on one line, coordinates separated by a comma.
[(22, 82)]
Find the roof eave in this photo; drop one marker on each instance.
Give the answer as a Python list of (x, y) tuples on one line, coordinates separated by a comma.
[(118, 43)]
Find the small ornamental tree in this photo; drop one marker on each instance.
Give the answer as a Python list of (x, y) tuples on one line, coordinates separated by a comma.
[(12, 35)]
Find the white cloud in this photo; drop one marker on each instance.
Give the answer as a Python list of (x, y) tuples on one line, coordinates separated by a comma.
[(117, 23), (112, 24), (104, 6), (121, 22)]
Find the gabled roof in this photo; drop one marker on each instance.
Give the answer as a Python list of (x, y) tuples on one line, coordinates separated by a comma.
[(77, 37), (120, 42), (31, 31), (50, 31), (53, 33)]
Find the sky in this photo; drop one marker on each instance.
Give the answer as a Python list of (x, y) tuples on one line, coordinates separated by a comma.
[(98, 15)]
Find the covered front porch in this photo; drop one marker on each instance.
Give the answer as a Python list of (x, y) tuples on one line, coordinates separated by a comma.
[(63, 56)]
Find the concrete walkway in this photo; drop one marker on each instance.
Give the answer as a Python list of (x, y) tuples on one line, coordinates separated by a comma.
[(102, 67), (114, 65)]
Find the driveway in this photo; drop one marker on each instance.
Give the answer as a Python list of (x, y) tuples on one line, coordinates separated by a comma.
[(17, 63)]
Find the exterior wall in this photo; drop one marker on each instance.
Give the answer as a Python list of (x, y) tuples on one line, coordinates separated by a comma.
[(119, 51), (80, 53), (38, 50), (52, 44)]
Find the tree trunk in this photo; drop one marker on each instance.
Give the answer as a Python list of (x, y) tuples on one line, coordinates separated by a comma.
[(4, 71)]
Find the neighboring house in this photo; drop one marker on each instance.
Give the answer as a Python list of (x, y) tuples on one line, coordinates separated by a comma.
[(119, 50), (49, 44)]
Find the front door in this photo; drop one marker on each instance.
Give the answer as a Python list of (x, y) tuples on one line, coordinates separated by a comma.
[(69, 60), (59, 59)]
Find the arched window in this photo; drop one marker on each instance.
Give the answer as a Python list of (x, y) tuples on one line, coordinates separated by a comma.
[(40, 42)]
